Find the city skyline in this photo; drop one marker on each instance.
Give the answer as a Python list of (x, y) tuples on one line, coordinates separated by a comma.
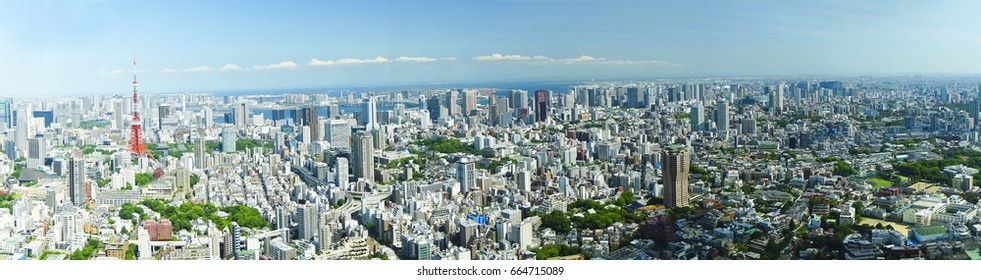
[(71, 48)]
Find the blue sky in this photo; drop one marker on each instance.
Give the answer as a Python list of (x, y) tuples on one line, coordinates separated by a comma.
[(64, 47)]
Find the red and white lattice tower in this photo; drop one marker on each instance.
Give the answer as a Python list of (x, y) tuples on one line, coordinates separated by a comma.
[(136, 144)]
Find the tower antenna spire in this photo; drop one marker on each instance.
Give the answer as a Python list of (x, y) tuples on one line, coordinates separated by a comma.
[(136, 143)]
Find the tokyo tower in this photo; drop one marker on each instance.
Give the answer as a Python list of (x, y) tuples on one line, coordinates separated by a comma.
[(136, 144)]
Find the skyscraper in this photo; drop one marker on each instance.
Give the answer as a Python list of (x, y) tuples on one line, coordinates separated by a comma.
[(466, 174), (36, 150), (675, 169), (362, 154), (722, 118), (370, 114), (23, 128), (341, 172), (776, 99), (339, 133), (451, 98), (634, 99), (5, 114), (434, 108), (541, 105), (976, 110), (308, 218), (697, 117), (469, 102), (76, 180), (199, 148), (228, 138), (311, 119), (519, 100)]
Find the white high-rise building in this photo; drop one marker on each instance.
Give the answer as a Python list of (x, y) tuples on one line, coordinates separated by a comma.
[(524, 181), (341, 172), (339, 133), (371, 114), (466, 174), (23, 128), (36, 151), (228, 138), (207, 117), (308, 218)]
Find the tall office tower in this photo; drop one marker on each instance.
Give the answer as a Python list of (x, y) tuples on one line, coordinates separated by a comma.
[(697, 117), (469, 102), (451, 98), (311, 119), (228, 138), (492, 110), (199, 148), (722, 118), (435, 110), (776, 99), (976, 110), (541, 105), (633, 98), (466, 174), (524, 181), (341, 173), (305, 134), (10, 149), (379, 136), (207, 117), (118, 117), (370, 114), (308, 218), (339, 133), (362, 154), (6, 122), (650, 97), (582, 96), (675, 169), (163, 112), (36, 150), (498, 113), (242, 114), (519, 99), (23, 128), (76, 180)]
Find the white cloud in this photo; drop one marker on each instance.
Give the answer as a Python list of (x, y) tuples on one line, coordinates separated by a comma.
[(498, 57), (281, 65), (377, 59), (198, 69), (447, 58), (169, 70), (583, 58), (318, 62), (230, 67), (415, 59)]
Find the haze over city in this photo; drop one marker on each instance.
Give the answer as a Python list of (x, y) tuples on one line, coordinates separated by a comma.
[(69, 47)]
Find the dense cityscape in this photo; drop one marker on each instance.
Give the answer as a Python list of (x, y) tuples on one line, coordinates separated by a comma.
[(849, 168)]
